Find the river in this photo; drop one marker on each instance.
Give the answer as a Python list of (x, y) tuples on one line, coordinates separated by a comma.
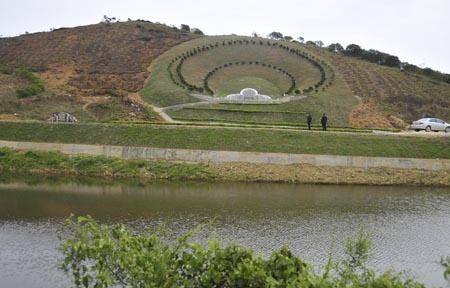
[(409, 226)]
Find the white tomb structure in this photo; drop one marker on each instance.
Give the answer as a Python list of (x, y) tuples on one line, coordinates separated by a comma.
[(248, 95)]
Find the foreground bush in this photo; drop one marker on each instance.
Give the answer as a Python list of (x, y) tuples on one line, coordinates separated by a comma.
[(102, 256)]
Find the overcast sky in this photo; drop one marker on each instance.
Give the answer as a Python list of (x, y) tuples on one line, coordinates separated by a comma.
[(418, 31)]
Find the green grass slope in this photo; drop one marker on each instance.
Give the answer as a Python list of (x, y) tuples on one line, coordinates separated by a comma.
[(164, 87), (230, 139)]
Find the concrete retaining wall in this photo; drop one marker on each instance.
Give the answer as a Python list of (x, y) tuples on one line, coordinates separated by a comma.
[(150, 153)]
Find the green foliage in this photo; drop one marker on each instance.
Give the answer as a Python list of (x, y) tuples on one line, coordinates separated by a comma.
[(433, 74), (276, 35), (185, 28), (101, 256), (382, 58), (36, 84), (445, 262)]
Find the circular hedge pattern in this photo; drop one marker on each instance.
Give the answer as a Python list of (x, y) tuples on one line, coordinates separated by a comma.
[(210, 74), (322, 84)]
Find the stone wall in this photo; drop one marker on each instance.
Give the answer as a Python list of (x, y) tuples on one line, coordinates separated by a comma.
[(205, 156)]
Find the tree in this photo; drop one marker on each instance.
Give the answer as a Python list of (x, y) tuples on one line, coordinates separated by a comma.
[(301, 39), (276, 35), (185, 28), (197, 31), (319, 43), (108, 20), (288, 38), (392, 61), (374, 56), (255, 35), (336, 48), (353, 50)]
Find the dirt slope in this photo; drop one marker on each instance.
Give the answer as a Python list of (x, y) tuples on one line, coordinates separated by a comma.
[(98, 58), (102, 62)]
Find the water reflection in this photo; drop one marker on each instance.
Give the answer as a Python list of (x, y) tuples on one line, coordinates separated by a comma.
[(410, 226)]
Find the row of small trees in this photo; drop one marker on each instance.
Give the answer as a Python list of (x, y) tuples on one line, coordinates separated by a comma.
[(180, 59), (371, 55), (184, 28), (382, 58)]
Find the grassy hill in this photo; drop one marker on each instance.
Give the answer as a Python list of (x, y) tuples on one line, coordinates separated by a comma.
[(164, 88), (98, 72)]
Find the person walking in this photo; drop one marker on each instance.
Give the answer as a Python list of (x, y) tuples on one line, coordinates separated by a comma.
[(309, 120), (324, 121)]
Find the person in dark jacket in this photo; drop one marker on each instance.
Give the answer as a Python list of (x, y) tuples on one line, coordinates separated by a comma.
[(324, 121), (309, 120)]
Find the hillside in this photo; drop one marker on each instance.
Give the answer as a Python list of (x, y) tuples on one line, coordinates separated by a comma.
[(94, 66), (353, 92), (387, 94), (119, 71)]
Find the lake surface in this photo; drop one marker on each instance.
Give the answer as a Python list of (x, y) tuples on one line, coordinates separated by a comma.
[(409, 226)]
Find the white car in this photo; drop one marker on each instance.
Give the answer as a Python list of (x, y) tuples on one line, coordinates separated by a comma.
[(430, 124)]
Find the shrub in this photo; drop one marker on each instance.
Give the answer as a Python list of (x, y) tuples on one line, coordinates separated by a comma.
[(102, 256), (36, 86)]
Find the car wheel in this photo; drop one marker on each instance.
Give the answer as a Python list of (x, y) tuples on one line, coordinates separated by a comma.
[(428, 129), (417, 130), (447, 130)]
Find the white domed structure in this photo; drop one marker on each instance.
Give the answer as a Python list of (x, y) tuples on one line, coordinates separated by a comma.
[(248, 95)]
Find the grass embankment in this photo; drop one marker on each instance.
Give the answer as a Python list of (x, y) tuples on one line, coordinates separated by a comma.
[(230, 139), (38, 164), (53, 163)]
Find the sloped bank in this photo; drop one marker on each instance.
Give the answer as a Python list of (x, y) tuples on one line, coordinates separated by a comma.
[(183, 164)]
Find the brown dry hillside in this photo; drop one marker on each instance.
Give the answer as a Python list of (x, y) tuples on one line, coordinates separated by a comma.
[(95, 60), (98, 57)]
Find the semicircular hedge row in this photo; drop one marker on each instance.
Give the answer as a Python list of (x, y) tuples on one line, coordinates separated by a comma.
[(179, 60)]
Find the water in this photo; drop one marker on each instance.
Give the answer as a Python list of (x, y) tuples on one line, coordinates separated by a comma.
[(410, 227)]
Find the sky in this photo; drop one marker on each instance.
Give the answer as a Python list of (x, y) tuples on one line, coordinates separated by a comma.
[(417, 31)]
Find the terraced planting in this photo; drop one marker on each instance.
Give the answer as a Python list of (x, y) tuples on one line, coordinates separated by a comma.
[(224, 65), (194, 67)]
